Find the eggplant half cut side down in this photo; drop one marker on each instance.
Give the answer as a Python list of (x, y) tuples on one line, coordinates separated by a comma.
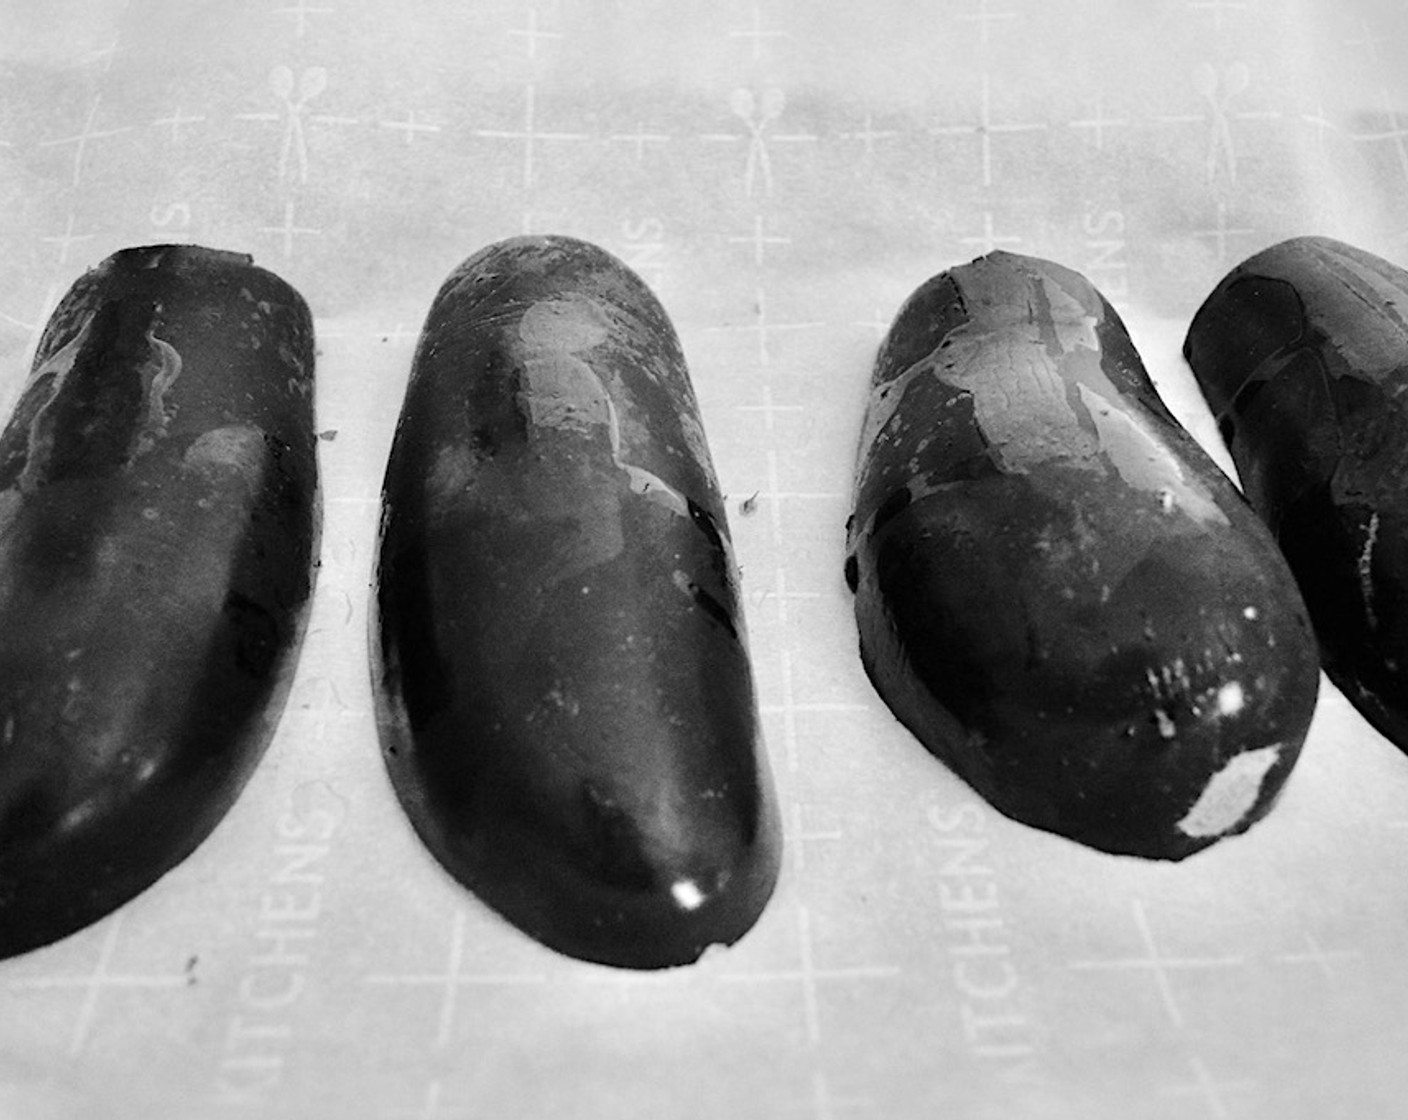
[(1302, 354), (1057, 591), (565, 698), (159, 522)]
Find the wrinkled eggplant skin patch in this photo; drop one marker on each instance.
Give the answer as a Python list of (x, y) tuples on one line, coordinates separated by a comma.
[(1056, 590), (1302, 354), (566, 704), (159, 518)]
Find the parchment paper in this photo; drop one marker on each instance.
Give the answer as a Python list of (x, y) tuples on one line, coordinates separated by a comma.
[(784, 174)]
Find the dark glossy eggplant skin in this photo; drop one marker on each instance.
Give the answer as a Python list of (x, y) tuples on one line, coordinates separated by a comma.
[(1057, 591), (158, 527), (1302, 354), (566, 702)]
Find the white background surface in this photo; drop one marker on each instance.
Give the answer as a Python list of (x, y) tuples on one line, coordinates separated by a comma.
[(783, 174)]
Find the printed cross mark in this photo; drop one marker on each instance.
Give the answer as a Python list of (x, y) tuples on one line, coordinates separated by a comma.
[(1160, 967), (452, 980), (986, 129), (530, 135), (176, 121), (760, 239), (432, 1107), (868, 134), (810, 976), (1321, 958), (986, 20), (1211, 1091), (300, 11), (1221, 231), (824, 1103), (801, 836), (763, 327), (81, 139), (640, 137), (1098, 123), (1218, 8), (67, 240), (94, 983), (290, 230), (756, 34), (532, 34), (410, 127), (1396, 133)]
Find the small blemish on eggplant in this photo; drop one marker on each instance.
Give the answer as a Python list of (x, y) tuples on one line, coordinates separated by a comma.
[(1230, 794)]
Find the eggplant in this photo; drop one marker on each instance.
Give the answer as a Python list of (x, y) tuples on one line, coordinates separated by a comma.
[(564, 695), (158, 533), (1057, 591), (1302, 354)]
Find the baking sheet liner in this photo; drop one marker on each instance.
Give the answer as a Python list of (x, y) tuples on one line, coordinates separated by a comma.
[(783, 174)]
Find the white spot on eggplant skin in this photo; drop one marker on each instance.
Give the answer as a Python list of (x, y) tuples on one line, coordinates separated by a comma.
[(1230, 794), (1366, 570), (569, 324), (237, 449), (1231, 698), (687, 894)]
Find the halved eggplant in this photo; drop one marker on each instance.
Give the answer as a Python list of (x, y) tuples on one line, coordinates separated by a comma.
[(158, 535), (566, 703), (1057, 591), (1302, 354)]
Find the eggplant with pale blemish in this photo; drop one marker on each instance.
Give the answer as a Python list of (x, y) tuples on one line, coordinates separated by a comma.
[(566, 704), (158, 528), (1302, 354), (1057, 591)]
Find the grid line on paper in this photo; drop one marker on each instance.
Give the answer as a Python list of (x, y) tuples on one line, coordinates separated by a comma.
[(985, 20), (825, 1104), (1220, 232), (868, 134), (986, 128), (810, 976), (756, 34), (82, 137), (432, 1106), (532, 35), (301, 10), (1396, 133), (289, 230), (1318, 956), (1098, 123), (801, 835), (1159, 966), (1217, 9), (1211, 1091), (177, 120), (410, 126), (67, 239), (93, 983), (762, 326), (530, 134), (452, 979)]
